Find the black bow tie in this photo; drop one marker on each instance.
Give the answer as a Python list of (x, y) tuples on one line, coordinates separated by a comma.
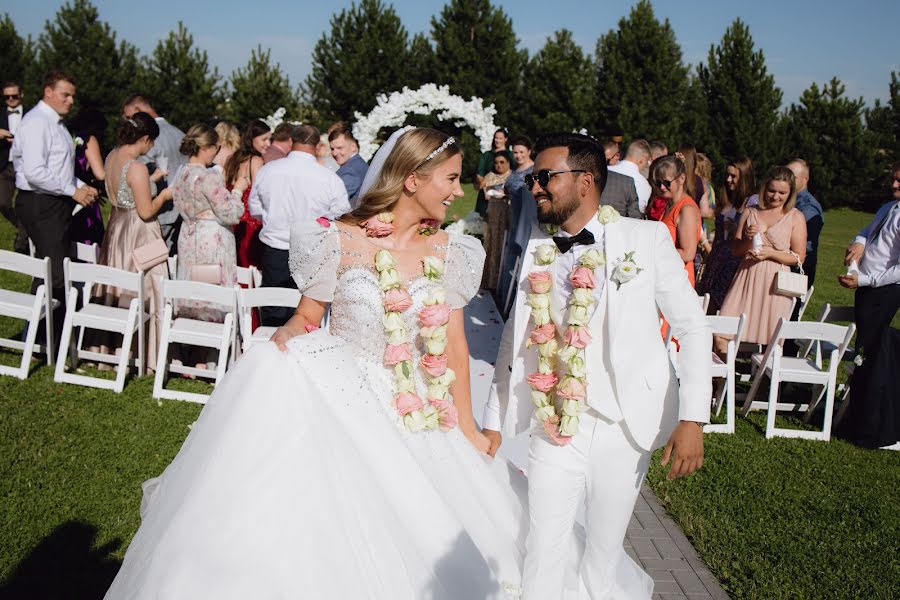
[(584, 237), (13, 111)]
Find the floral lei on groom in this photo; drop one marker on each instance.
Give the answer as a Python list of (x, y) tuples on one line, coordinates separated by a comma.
[(559, 402)]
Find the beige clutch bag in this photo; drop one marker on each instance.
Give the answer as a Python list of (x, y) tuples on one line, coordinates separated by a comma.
[(206, 274), (149, 255)]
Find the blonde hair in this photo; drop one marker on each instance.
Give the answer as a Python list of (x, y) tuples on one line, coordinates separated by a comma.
[(779, 174), (410, 155), (198, 137), (229, 135), (704, 167)]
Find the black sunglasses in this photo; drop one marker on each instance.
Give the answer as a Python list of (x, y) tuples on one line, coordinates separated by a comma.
[(663, 184), (543, 177), (11, 96)]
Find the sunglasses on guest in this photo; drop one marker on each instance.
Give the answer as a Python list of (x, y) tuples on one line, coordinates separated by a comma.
[(663, 184), (543, 177), (11, 96)]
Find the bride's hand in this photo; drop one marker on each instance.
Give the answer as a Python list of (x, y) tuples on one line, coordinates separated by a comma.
[(479, 440), (284, 333)]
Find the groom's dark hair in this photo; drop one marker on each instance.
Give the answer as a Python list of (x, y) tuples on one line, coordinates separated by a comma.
[(585, 153)]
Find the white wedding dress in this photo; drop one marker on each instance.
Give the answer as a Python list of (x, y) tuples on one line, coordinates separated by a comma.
[(299, 480)]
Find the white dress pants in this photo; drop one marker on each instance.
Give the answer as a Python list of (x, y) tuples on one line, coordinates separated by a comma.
[(604, 467)]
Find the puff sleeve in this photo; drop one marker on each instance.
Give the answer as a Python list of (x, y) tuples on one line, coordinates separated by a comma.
[(314, 258), (464, 264)]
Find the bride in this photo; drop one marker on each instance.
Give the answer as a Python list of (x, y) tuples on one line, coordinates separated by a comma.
[(347, 464)]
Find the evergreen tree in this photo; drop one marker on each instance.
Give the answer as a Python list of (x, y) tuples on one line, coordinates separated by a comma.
[(79, 43), (694, 127), (883, 123), (476, 55), (826, 130), (557, 93), (641, 80), (13, 51), (179, 80), (420, 66), (742, 100), (364, 55), (259, 89)]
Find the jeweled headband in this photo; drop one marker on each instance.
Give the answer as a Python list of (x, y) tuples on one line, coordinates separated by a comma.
[(447, 143)]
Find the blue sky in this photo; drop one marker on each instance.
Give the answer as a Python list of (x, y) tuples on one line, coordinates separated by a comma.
[(804, 41)]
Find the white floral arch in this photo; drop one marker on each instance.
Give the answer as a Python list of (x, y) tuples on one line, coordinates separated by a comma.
[(391, 111)]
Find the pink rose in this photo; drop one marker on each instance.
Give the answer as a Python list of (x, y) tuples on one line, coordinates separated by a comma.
[(571, 389), (582, 277), (543, 334), (396, 353), (436, 314), (375, 227), (449, 417), (397, 299), (540, 282), (542, 382), (324, 222), (577, 336), (434, 365), (551, 427), (407, 403)]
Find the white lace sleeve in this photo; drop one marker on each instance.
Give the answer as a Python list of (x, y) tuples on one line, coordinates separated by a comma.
[(314, 259), (462, 276)]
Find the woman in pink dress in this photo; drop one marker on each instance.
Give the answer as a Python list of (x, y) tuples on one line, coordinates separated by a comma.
[(771, 237)]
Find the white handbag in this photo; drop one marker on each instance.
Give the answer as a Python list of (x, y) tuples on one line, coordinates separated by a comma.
[(788, 283)]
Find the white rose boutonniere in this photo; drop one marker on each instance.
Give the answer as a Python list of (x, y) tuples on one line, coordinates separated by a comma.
[(78, 141), (607, 214), (625, 270)]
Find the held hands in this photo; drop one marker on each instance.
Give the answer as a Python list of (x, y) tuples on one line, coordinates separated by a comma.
[(854, 253), (494, 438), (85, 196), (479, 440), (685, 449)]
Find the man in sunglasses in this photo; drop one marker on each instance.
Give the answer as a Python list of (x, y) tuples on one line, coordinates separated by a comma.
[(10, 118), (632, 401)]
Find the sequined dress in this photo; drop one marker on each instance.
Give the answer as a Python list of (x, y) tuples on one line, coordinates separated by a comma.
[(299, 480)]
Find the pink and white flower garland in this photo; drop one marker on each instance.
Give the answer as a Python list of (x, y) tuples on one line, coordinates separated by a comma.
[(560, 401), (438, 411)]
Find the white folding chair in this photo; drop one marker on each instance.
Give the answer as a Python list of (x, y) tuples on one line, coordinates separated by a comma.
[(172, 261), (798, 370), (804, 302), (28, 307), (124, 321), (734, 327), (248, 299), (193, 332), (836, 314), (248, 277), (89, 253)]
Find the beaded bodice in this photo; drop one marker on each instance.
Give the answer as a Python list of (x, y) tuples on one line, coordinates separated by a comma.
[(124, 196)]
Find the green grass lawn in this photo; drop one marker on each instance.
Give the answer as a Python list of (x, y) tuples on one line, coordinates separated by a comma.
[(772, 518)]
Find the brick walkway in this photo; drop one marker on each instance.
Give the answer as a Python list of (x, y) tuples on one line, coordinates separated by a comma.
[(653, 539)]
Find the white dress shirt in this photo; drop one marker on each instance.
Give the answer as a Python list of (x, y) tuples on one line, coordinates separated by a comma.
[(880, 264), (43, 153), (295, 188), (564, 263), (626, 167), (13, 118)]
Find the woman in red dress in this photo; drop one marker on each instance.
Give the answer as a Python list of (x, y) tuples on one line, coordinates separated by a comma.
[(244, 163)]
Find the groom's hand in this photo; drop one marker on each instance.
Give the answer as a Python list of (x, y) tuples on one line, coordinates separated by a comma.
[(686, 444), (495, 439)]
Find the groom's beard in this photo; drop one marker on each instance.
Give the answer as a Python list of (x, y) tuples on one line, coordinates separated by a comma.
[(555, 211)]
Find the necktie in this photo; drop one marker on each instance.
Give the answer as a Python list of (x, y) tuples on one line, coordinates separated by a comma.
[(584, 237)]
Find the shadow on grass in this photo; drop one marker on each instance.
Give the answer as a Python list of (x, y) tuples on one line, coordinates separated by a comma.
[(65, 564)]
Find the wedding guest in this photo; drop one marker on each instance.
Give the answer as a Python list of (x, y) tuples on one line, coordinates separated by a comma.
[(812, 212), (612, 152), (681, 217), (634, 165), (229, 142), (722, 264), (704, 172), (693, 183), (43, 155), (658, 149), (280, 145), (134, 204), (620, 193), (245, 163), (497, 218), (296, 189), (323, 154), (345, 152), (88, 128), (522, 216), (166, 155), (486, 162), (10, 117), (770, 237), (206, 249)]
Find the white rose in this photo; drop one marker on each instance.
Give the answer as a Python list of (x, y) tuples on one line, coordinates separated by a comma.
[(576, 367), (541, 316), (437, 391), (397, 336), (566, 353), (592, 259), (624, 272), (435, 347), (438, 332), (387, 217), (389, 278), (392, 321), (548, 349), (578, 315), (545, 412), (384, 260), (539, 399), (405, 384), (607, 214), (538, 301), (433, 266), (545, 254), (431, 416), (415, 421), (435, 296), (582, 297), (568, 426), (571, 408), (546, 365), (447, 378)]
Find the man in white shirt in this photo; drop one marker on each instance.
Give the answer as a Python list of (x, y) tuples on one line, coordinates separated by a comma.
[(294, 188), (10, 117), (637, 159), (874, 261), (43, 155), (165, 155)]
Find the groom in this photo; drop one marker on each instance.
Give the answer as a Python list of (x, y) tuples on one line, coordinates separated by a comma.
[(633, 403)]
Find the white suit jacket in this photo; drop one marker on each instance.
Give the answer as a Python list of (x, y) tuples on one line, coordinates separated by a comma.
[(649, 396)]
